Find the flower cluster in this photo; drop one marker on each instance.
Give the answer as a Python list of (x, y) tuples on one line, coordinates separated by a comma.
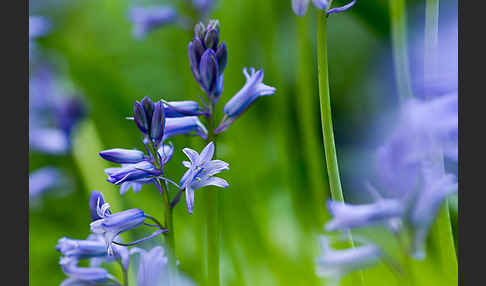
[(103, 244)]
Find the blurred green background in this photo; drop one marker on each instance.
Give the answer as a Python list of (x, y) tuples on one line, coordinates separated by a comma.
[(271, 209)]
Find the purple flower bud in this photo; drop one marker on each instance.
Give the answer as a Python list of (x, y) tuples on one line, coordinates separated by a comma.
[(300, 7), (222, 57), (147, 19), (181, 108), (122, 156), (199, 31), (140, 117), (158, 123), (208, 71), (211, 39), (148, 107), (184, 125)]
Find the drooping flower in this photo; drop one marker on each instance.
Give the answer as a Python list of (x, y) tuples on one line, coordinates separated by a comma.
[(184, 125), (123, 156), (84, 275), (241, 101), (181, 108), (208, 59), (201, 172), (94, 246), (337, 263), (352, 216), (131, 172), (147, 19), (300, 6), (110, 225)]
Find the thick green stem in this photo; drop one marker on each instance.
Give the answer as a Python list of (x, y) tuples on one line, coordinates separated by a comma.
[(213, 220), (326, 122), (305, 105), (398, 16)]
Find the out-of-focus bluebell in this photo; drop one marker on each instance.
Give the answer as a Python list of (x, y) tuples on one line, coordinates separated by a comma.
[(181, 108), (437, 186), (153, 269), (351, 216), (52, 115), (38, 26), (184, 125), (42, 180), (201, 172), (84, 275), (110, 225), (241, 101), (203, 6), (336, 263), (208, 59), (148, 19)]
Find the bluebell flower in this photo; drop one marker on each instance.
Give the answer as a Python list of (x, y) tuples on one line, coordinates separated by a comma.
[(300, 6), (123, 156), (130, 172), (43, 179), (147, 19), (49, 140), (351, 216), (181, 108), (201, 172), (337, 263), (84, 275), (94, 246), (38, 26), (437, 187), (241, 101), (153, 269), (112, 224), (340, 9), (208, 59), (184, 125), (203, 6)]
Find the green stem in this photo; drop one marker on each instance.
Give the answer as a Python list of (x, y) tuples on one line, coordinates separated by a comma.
[(305, 106), (398, 16), (431, 40), (169, 236), (213, 220), (326, 122)]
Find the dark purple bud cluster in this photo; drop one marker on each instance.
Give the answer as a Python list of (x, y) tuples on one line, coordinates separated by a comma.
[(208, 58), (150, 119)]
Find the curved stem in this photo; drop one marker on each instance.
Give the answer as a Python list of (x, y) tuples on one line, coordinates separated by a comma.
[(125, 273), (398, 16), (326, 122)]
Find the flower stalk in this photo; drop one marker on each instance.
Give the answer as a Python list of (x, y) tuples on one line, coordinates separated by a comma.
[(398, 16), (326, 122)]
